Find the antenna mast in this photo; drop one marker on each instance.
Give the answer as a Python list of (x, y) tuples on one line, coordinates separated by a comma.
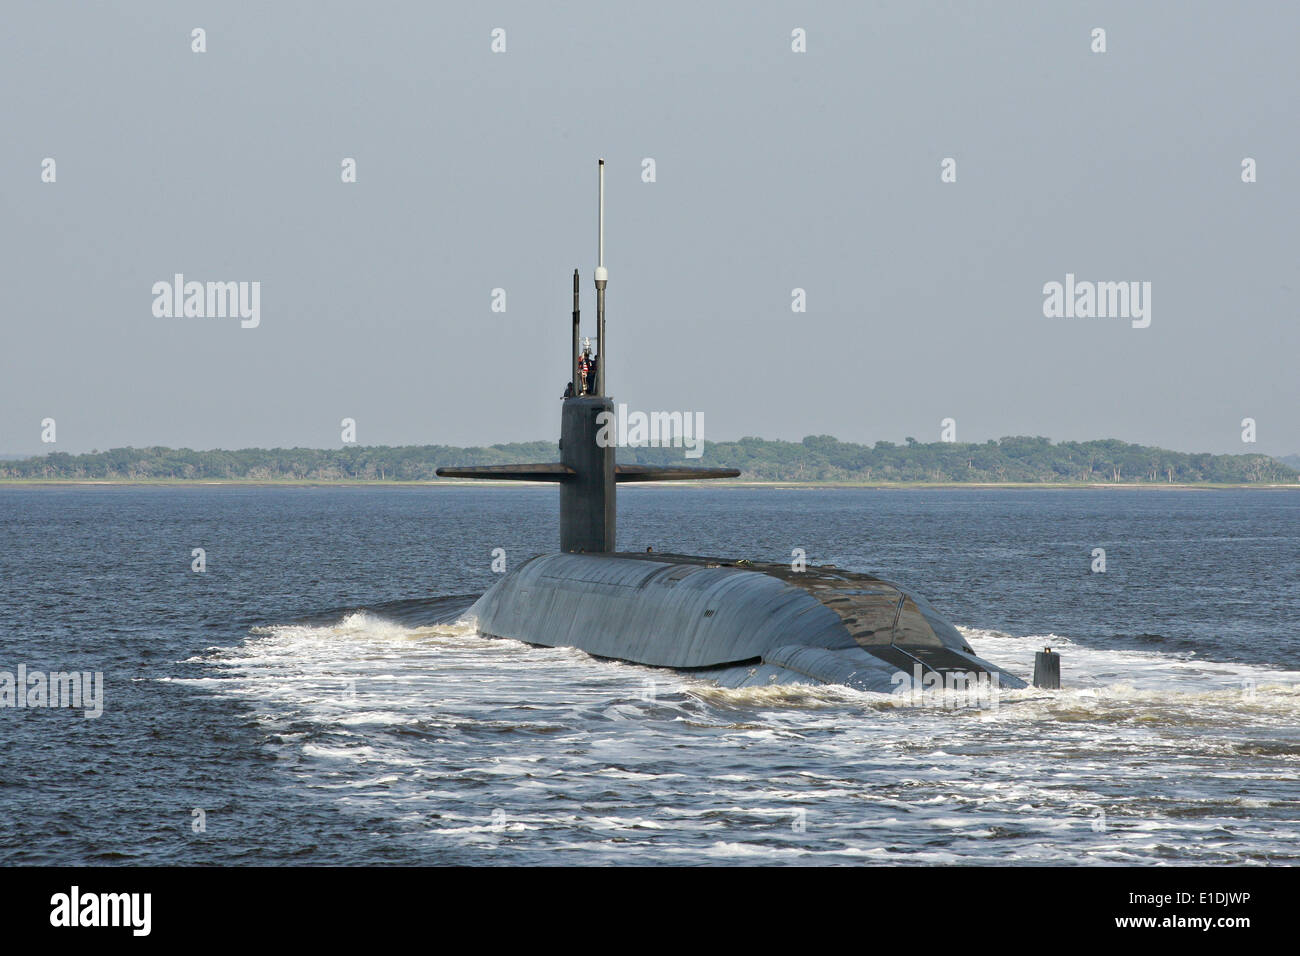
[(573, 380), (602, 276)]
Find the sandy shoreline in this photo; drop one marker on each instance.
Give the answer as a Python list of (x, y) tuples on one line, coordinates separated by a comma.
[(792, 485)]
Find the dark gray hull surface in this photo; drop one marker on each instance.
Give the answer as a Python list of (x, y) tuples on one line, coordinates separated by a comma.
[(741, 623)]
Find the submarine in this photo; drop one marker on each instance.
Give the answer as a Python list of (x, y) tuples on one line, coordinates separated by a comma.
[(736, 621)]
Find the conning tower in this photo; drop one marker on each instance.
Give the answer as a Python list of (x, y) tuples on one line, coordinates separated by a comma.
[(587, 472)]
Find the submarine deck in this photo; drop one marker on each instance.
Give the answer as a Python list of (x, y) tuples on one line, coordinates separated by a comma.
[(827, 575), (697, 612)]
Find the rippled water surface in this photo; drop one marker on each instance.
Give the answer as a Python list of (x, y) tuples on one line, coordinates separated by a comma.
[(313, 695)]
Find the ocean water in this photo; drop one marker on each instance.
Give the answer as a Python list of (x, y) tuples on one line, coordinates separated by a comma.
[(311, 698)]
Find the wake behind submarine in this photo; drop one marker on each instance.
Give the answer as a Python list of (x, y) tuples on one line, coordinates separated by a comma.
[(742, 623)]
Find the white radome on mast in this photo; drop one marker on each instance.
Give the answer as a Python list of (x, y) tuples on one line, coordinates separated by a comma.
[(602, 277)]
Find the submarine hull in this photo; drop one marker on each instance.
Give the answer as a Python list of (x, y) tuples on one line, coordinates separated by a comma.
[(738, 622)]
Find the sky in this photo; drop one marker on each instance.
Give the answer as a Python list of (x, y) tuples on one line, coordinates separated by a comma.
[(774, 170)]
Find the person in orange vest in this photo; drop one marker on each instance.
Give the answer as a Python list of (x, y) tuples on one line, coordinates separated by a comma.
[(586, 369)]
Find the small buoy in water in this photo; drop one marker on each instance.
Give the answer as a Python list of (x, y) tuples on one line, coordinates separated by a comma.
[(1047, 669)]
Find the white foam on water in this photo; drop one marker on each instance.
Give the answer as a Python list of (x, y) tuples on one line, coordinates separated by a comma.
[(495, 747)]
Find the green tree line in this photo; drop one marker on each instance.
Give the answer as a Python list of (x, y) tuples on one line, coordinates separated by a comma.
[(816, 458)]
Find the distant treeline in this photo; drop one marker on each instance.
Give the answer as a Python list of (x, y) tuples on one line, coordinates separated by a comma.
[(816, 458)]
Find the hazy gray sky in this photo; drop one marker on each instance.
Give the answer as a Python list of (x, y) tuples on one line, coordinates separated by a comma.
[(775, 170)]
